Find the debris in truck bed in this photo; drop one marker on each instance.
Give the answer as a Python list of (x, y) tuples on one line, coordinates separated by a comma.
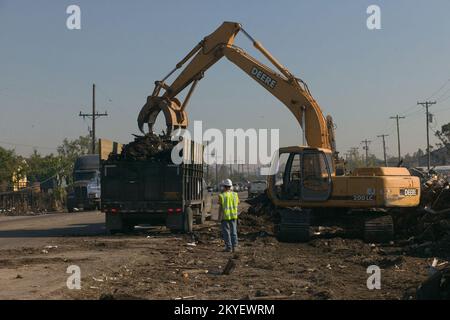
[(147, 147)]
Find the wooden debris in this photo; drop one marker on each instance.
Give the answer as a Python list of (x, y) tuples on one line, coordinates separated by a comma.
[(229, 267)]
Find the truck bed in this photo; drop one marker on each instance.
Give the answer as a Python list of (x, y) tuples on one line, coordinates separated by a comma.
[(154, 182)]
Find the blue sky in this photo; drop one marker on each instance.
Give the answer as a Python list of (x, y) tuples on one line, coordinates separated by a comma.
[(360, 77)]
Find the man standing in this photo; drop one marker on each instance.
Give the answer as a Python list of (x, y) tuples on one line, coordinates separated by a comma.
[(228, 215)]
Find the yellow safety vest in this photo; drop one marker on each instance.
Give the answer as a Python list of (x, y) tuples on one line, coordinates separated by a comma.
[(229, 202)]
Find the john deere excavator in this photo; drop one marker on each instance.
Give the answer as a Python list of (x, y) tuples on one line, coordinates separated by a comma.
[(309, 178)]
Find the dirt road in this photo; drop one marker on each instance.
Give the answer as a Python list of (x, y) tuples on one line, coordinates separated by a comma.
[(35, 253)]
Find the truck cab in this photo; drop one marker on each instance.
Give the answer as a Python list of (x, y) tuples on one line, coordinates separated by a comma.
[(85, 192)]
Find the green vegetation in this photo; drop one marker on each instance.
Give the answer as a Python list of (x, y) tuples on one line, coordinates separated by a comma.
[(39, 168)]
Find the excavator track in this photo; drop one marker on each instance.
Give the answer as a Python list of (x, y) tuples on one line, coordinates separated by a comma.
[(294, 225), (379, 229)]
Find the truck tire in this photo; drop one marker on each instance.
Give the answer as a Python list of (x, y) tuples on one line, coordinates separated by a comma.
[(114, 223), (70, 205), (127, 228), (188, 220)]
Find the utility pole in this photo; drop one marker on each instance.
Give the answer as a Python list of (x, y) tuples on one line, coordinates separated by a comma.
[(384, 147), (366, 147), (427, 104), (214, 154), (217, 177), (94, 115), (397, 117)]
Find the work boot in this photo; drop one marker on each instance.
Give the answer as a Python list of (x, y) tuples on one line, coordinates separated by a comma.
[(227, 250)]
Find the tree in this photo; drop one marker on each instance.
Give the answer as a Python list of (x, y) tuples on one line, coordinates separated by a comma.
[(72, 149), (41, 168), (9, 165), (444, 136), (355, 160), (69, 151)]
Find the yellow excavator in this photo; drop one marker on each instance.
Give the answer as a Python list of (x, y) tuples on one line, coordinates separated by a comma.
[(307, 178)]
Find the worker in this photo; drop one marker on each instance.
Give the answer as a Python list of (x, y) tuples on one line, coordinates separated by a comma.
[(228, 215)]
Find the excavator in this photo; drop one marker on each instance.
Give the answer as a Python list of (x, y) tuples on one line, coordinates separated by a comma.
[(309, 178)]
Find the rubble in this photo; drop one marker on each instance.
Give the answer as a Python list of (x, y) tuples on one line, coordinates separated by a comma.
[(148, 147), (435, 193), (260, 205), (436, 287), (429, 224), (229, 267)]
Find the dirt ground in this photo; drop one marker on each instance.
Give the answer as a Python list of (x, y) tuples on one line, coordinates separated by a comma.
[(154, 264)]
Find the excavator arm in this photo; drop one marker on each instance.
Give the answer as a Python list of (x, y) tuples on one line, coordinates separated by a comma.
[(291, 91)]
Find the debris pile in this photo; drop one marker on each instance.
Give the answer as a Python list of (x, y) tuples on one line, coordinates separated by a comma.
[(431, 220), (436, 287), (435, 189), (260, 206), (147, 147)]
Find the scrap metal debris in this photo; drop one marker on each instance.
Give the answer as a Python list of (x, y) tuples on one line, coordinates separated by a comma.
[(148, 147)]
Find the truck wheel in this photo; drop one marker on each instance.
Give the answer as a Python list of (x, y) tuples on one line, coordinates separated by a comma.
[(112, 232), (128, 228), (188, 220)]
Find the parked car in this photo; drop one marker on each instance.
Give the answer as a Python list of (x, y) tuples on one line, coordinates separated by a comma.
[(256, 188)]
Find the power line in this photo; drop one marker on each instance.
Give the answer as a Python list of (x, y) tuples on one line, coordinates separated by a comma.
[(440, 88), (27, 145)]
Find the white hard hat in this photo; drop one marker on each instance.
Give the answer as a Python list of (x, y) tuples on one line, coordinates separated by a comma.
[(227, 183)]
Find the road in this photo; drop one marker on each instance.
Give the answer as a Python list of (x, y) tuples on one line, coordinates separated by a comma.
[(42, 229), (19, 231)]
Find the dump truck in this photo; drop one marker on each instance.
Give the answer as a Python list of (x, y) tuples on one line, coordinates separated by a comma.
[(155, 191), (84, 193)]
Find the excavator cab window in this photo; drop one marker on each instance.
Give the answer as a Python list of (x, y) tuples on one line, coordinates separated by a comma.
[(316, 176), (294, 177), (306, 176)]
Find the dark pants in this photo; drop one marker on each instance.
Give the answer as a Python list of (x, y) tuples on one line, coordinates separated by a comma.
[(229, 233)]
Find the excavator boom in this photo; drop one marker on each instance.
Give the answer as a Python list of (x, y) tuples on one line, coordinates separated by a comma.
[(291, 91)]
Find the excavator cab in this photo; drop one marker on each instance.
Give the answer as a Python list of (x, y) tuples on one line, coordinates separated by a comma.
[(302, 174)]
